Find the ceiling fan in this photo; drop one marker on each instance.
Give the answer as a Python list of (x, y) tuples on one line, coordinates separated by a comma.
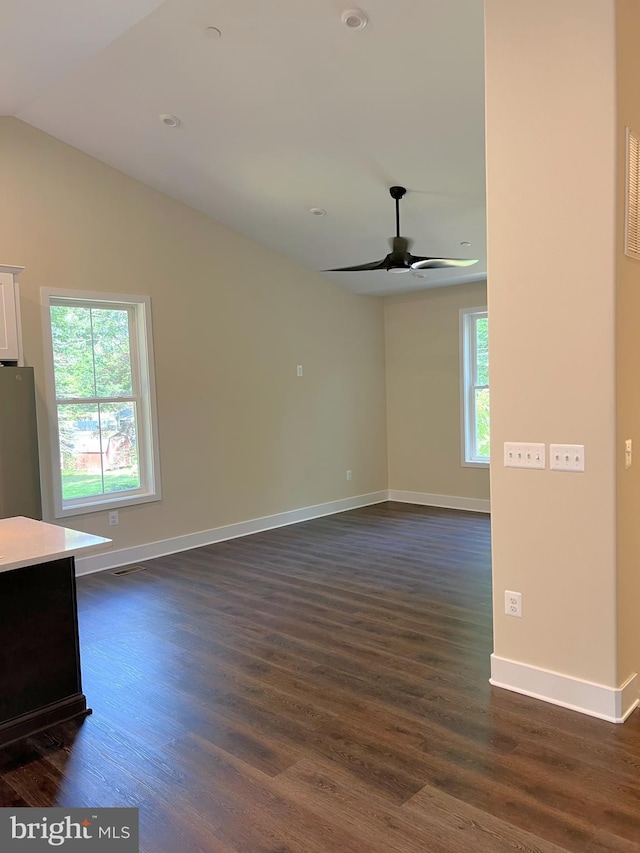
[(400, 258)]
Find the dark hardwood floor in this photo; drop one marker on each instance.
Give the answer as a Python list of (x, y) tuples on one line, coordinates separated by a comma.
[(323, 688)]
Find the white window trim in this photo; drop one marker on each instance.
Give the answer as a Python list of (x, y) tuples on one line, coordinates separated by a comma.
[(467, 361), (150, 464)]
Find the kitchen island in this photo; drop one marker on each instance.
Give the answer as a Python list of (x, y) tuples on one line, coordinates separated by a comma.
[(40, 680)]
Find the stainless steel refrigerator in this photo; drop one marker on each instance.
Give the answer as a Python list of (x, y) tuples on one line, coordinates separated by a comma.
[(19, 464)]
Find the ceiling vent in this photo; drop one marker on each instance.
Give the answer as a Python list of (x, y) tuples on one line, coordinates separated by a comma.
[(632, 212)]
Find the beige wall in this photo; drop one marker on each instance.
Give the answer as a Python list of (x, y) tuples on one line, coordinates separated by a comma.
[(551, 157), (423, 392), (628, 356), (240, 435)]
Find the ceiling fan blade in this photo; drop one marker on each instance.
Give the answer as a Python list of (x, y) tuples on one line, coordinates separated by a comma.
[(418, 263), (374, 265)]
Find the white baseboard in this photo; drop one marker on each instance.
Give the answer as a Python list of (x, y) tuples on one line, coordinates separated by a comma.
[(125, 556), (596, 700), (445, 501)]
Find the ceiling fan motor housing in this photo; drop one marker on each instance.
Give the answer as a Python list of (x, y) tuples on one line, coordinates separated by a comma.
[(399, 257)]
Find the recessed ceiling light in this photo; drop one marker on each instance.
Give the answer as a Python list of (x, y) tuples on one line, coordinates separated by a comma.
[(318, 211), (465, 243), (169, 120), (355, 19), (213, 32)]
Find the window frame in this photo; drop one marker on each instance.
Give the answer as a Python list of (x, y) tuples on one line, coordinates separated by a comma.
[(468, 387), (143, 375)]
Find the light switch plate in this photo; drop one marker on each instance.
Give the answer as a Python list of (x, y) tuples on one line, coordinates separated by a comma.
[(519, 454), (566, 457)]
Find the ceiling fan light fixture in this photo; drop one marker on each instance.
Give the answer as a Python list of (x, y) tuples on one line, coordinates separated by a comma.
[(355, 19), (399, 269)]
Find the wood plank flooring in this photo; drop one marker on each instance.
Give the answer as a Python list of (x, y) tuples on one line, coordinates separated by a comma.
[(323, 688)]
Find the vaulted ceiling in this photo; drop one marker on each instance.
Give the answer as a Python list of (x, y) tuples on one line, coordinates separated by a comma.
[(288, 110)]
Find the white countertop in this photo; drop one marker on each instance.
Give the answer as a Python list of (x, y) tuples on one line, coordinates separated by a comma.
[(26, 542)]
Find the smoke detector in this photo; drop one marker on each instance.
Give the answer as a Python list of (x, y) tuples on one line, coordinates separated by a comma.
[(355, 19)]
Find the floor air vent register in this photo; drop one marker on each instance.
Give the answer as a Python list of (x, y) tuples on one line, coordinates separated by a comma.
[(129, 570)]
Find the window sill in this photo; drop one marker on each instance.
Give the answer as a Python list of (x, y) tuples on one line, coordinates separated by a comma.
[(475, 464), (105, 505)]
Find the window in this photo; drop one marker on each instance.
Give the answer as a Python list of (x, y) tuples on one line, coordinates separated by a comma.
[(474, 337), (101, 400)]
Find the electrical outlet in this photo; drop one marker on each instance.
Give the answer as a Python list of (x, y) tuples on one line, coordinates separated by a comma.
[(566, 457), (299, 370), (512, 603), (518, 454), (628, 453), (349, 477), (113, 518)]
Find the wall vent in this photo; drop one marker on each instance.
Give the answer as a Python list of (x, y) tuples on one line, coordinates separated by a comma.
[(129, 570), (632, 211)]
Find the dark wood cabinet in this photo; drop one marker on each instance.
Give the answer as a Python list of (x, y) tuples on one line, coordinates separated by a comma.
[(40, 681), (40, 678)]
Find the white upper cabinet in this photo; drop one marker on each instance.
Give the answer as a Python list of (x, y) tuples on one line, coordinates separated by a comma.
[(10, 337)]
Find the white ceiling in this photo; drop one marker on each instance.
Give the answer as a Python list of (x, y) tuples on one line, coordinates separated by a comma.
[(288, 110)]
